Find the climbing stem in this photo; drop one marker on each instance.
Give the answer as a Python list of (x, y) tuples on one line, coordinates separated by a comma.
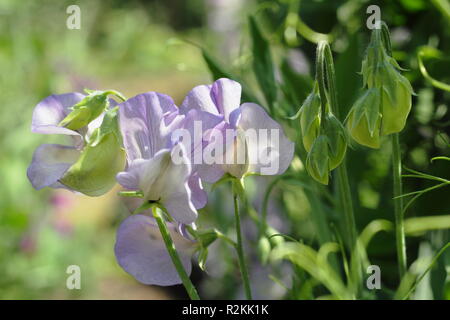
[(188, 285)]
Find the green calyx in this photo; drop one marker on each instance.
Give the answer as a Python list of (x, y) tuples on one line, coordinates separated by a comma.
[(364, 119)]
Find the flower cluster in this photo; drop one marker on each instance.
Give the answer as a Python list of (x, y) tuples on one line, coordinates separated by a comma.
[(90, 163), (160, 168)]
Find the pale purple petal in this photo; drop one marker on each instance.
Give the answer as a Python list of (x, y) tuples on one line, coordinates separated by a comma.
[(50, 162), (210, 173), (272, 152), (194, 133), (198, 194), (226, 94), (51, 111), (141, 252), (176, 195), (165, 180), (146, 122), (146, 175), (199, 98), (217, 141)]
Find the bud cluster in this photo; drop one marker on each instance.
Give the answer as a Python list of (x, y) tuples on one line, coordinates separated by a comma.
[(385, 103), (323, 137)]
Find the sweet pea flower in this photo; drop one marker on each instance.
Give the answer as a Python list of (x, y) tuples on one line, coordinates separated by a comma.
[(140, 250), (147, 122), (90, 164), (266, 151)]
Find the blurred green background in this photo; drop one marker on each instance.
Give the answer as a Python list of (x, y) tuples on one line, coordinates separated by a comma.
[(137, 46)]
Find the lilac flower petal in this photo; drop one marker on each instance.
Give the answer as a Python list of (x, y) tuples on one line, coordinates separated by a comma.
[(144, 175), (196, 125), (146, 122), (141, 252), (177, 197), (50, 162), (198, 196), (199, 98), (226, 94), (51, 111), (161, 179), (266, 156), (210, 173)]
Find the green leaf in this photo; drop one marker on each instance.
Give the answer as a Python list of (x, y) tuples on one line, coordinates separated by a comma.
[(315, 263)]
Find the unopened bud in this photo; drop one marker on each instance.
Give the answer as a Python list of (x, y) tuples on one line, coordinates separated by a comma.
[(317, 161), (310, 120), (337, 140), (364, 119)]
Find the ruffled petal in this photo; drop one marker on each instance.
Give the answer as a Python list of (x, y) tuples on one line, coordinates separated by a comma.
[(270, 152), (51, 111), (141, 252), (193, 135), (176, 194), (226, 94), (146, 122), (163, 178), (199, 98), (49, 163)]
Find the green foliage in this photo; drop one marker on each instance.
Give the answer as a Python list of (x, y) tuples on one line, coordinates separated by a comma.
[(294, 227)]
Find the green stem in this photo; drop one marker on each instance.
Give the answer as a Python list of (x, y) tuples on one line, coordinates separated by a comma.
[(328, 94), (397, 172), (347, 205), (189, 286), (240, 247), (326, 79), (398, 205)]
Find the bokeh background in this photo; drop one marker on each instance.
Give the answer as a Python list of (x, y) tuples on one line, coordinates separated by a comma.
[(138, 46)]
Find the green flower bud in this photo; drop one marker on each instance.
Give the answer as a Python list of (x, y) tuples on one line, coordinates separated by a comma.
[(86, 110), (101, 159), (310, 120), (337, 140), (317, 161), (381, 71), (364, 119), (395, 102)]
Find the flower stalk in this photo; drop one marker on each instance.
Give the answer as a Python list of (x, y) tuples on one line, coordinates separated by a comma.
[(187, 283), (326, 80), (237, 189), (398, 204), (397, 179)]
